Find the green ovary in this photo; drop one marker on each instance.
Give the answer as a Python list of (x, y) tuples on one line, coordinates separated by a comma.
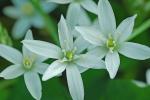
[(28, 9), (111, 44), (27, 63), (69, 55)]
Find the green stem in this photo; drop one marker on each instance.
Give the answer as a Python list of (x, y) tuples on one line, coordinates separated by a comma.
[(140, 29), (49, 24)]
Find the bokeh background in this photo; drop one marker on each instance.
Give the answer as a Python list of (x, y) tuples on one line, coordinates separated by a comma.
[(98, 85)]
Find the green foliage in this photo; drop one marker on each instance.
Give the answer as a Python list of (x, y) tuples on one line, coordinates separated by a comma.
[(4, 36)]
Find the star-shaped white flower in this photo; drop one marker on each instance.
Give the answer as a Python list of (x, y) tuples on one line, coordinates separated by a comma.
[(68, 58), (27, 15), (27, 64), (109, 40)]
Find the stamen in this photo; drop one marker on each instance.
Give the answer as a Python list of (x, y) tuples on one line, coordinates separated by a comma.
[(69, 55), (111, 44), (27, 63)]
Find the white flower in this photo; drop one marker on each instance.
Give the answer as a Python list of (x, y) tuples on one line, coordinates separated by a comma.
[(27, 64), (27, 15), (109, 40), (68, 58)]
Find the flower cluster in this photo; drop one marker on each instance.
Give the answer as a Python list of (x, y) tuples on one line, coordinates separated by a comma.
[(83, 46)]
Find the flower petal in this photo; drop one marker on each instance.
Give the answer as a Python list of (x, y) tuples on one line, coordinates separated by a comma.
[(135, 51), (28, 36), (65, 37), (48, 6), (75, 83), (80, 44), (40, 67), (33, 84), (82, 69), (61, 1), (148, 76), (90, 6), (12, 72), (12, 12), (99, 51), (139, 83), (90, 61), (106, 17), (56, 68), (18, 2), (11, 54), (80, 18), (28, 53), (112, 61), (125, 29), (20, 28), (43, 48), (91, 35), (37, 21)]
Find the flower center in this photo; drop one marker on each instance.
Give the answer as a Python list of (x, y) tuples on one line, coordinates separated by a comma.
[(69, 55), (28, 9), (27, 63), (111, 44)]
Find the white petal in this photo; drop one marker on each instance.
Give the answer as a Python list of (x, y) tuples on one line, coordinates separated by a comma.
[(56, 68), (90, 61), (28, 36), (37, 21), (99, 51), (80, 18), (28, 53), (33, 84), (18, 2), (40, 67), (11, 54), (61, 1), (91, 35), (80, 44), (48, 6), (12, 12), (125, 29), (43, 48), (75, 83), (89, 5), (65, 37), (82, 69), (96, 24), (20, 28), (106, 17), (148, 76), (135, 51), (139, 83), (112, 61), (12, 72)]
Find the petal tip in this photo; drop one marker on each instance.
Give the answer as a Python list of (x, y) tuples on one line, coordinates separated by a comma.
[(44, 78)]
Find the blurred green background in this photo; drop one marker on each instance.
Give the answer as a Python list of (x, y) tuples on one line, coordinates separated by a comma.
[(98, 85)]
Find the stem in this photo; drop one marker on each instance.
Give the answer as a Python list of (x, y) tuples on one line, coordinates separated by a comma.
[(140, 29), (49, 24)]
